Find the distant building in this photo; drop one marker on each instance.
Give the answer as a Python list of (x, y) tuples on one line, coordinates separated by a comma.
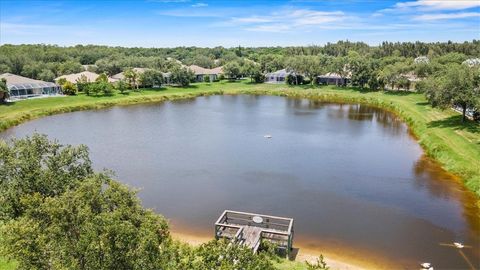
[(20, 87), (89, 67), (120, 76), (332, 78), (201, 73), (472, 62), (73, 78), (421, 60), (279, 76)]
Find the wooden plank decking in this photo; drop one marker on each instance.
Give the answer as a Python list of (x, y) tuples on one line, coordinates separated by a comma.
[(250, 229)]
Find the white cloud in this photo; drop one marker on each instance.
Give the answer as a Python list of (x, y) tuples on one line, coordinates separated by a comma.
[(200, 5), (439, 4), (288, 19), (273, 28), (446, 16), (253, 19)]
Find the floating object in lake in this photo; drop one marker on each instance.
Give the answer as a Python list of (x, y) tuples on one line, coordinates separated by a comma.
[(427, 266), (458, 245), (257, 219), (268, 136)]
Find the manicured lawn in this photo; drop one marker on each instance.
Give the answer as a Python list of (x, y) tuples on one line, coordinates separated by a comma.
[(6, 265), (455, 146)]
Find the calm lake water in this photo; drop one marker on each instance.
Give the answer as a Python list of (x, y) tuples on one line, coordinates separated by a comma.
[(353, 178)]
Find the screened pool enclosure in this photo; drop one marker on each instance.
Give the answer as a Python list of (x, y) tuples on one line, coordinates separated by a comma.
[(22, 87)]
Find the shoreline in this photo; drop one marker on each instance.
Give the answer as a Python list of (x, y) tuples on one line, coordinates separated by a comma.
[(333, 261)]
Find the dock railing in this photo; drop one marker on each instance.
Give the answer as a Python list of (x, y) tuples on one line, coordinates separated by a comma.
[(278, 230)]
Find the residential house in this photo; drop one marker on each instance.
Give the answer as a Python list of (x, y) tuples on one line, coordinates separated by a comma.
[(279, 76), (333, 78), (201, 73), (73, 78), (20, 87)]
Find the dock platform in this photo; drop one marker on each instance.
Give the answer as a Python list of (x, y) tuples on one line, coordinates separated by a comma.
[(249, 229)]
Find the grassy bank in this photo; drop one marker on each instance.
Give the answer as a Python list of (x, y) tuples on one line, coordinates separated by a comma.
[(455, 146), (6, 265)]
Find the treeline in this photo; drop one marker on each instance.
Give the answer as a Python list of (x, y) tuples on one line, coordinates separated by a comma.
[(57, 213), (46, 62)]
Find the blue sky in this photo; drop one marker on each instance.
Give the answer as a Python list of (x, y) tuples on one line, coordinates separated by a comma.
[(209, 23)]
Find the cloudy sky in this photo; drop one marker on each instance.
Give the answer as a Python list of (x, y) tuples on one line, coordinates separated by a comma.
[(208, 23)]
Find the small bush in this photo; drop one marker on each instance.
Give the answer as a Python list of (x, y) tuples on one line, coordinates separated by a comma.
[(320, 264), (295, 79), (69, 88)]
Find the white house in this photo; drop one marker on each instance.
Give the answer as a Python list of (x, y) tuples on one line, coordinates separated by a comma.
[(279, 76), (20, 87)]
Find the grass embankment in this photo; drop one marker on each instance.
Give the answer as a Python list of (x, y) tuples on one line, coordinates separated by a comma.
[(6, 265), (441, 134)]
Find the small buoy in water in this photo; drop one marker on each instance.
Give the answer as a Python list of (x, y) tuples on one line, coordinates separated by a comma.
[(458, 245), (267, 136), (426, 265)]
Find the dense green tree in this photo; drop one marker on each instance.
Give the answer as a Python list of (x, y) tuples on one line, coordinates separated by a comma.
[(457, 86), (451, 58), (4, 93), (204, 61), (232, 70), (121, 86), (82, 83), (340, 66), (151, 78), (102, 78), (46, 75), (98, 225), (17, 62), (69, 89), (181, 76), (132, 77), (223, 255), (271, 62), (109, 66), (37, 165), (70, 67), (100, 87)]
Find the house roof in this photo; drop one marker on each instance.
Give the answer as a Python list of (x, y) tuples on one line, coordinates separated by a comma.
[(20, 82), (279, 73), (472, 62), (411, 77), (91, 77), (217, 70), (121, 76), (421, 59), (333, 75), (205, 71)]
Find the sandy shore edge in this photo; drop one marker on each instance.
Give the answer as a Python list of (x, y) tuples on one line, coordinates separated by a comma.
[(303, 254)]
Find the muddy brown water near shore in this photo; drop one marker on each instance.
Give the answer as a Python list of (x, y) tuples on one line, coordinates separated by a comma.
[(356, 182)]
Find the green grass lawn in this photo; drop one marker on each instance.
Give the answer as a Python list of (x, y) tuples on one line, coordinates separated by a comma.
[(6, 265), (441, 134)]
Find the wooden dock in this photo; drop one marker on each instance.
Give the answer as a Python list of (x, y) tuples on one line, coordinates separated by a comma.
[(250, 229)]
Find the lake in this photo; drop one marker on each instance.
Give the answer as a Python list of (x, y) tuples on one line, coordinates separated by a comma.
[(354, 179)]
